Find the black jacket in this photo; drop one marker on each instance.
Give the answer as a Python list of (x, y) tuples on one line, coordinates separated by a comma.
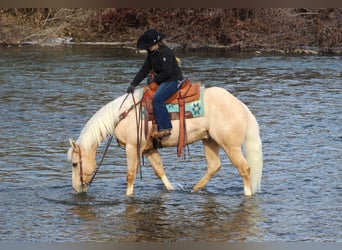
[(163, 63)]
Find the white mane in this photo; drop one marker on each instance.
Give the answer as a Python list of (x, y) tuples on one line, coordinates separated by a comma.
[(102, 123)]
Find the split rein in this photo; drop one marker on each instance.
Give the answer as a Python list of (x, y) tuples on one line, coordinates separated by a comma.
[(121, 116)]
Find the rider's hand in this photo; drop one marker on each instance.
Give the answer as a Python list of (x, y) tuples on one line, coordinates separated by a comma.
[(130, 89)]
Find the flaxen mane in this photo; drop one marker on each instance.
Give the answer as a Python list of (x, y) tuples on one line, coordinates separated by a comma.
[(101, 123)]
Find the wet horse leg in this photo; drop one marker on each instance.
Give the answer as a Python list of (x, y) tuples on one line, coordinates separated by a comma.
[(238, 160), (154, 158), (132, 167), (211, 150)]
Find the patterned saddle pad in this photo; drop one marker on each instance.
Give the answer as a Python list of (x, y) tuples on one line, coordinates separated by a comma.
[(192, 109)]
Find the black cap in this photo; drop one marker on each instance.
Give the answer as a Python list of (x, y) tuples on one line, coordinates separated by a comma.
[(149, 38)]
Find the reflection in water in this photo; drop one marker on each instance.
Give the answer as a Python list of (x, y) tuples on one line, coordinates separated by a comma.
[(205, 220), (85, 212), (165, 219), (147, 221)]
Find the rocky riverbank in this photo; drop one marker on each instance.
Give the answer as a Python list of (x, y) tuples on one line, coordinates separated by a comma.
[(303, 30)]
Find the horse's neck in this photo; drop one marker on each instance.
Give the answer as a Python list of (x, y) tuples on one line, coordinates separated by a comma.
[(102, 123), (90, 137)]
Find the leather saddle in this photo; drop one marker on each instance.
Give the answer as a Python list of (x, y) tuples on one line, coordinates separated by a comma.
[(187, 92)]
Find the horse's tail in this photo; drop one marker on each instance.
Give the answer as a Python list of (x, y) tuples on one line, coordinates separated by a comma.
[(253, 152)]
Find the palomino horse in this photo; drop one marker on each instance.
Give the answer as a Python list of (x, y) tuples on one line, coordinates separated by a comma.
[(226, 123)]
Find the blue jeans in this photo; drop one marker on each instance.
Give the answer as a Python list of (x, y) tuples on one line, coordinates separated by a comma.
[(161, 115)]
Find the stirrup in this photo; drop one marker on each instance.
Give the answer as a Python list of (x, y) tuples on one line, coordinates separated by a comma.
[(162, 134), (156, 143)]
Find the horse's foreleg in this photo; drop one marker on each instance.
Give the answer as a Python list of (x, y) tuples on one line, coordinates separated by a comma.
[(211, 150), (156, 162), (238, 160), (132, 167)]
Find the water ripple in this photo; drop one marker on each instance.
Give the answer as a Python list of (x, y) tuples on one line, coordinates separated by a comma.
[(47, 95)]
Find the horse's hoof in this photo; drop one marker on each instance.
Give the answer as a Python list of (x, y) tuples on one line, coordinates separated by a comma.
[(247, 191)]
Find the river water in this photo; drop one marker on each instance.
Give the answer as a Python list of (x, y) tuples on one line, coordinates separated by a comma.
[(49, 93)]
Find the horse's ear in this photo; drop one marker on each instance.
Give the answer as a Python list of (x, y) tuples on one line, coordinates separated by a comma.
[(74, 145)]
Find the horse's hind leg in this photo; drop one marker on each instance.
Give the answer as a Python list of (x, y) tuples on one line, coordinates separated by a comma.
[(154, 158), (238, 160), (211, 150)]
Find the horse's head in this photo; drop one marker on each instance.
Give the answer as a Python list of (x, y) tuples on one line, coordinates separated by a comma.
[(83, 166)]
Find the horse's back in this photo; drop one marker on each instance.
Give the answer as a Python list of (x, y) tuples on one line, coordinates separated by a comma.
[(225, 114), (221, 100)]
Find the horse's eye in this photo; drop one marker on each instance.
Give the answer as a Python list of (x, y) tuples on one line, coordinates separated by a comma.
[(74, 164)]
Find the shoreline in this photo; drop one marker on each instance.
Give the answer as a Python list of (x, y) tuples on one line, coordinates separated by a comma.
[(178, 47)]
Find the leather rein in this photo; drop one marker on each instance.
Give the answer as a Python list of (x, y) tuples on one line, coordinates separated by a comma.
[(97, 168), (121, 117)]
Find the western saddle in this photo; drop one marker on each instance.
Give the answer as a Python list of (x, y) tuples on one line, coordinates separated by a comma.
[(187, 92)]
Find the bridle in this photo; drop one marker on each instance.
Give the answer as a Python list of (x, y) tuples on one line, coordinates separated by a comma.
[(81, 168), (97, 168)]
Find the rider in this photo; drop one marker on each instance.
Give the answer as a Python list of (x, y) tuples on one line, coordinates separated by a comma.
[(167, 74)]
